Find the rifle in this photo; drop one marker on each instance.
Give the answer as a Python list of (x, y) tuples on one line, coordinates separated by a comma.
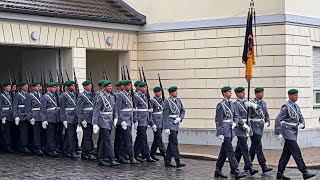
[(67, 74), (132, 93), (61, 76), (92, 88), (44, 87), (122, 77), (61, 82), (105, 74), (28, 81), (124, 74), (160, 83), (10, 80), (148, 94), (140, 75), (14, 79), (76, 83), (50, 76)]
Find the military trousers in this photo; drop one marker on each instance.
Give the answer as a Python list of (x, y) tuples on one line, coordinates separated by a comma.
[(256, 148), (226, 151), (126, 146), (37, 128), (59, 135), (157, 143), (141, 142), (87, 142), (243, 150), (291, 148), (70, 144), (51, 132), (105, 149), (117, 142), (7, 133), (24, 133), (172, 149)]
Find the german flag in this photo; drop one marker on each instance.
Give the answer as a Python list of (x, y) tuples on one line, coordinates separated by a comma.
[(248, 56)]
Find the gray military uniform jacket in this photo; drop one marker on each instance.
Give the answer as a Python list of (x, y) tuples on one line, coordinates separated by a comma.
[(259, 116), (124, 108), (241, 110), (68, 107), (19, 107), (6, 106), (104, 111), (49, 110), (172, 108), (142, 115), (157, 114), (33, 104), (288, 120), (84, 107), (226, 115)]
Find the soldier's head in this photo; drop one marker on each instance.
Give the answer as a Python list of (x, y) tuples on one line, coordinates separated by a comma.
[(136, 85), (226, 92), (259, 92), (240, 92), (36, 86), (14, 86), (106, 86), (100, 83), (52, 87), (87, 85), (70, 86), (173, 91), (7, 86), (119, 86), (127, 85), (143, 87), (293, 95), (24, 86), (157, 91)]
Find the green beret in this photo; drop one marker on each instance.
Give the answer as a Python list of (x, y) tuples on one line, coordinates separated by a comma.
[(239, 89), (86, 83), (6, 84), (258, 89), (137, 83), (119, 83), (172, 88), (293, 91), (143, 84), (51, 84), (69, 83), (58, 83), (126, 82), (225, 89), (36, 83), (100, 82), (157, 89), (23, 83), (106, 83)]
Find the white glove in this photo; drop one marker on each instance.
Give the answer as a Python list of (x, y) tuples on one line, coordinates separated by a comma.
[(65, 124), (167, 131), (300, 126), (115, 121), (4, 120), (251, 105), (154, 128), (44, 124), (32, 121), (177, 120), (17, 120), (150, 110), (84, 124), (124, 125), (95, 128), (234, 125), (221, 138), (266, 125), (280, 139), (136, 125)]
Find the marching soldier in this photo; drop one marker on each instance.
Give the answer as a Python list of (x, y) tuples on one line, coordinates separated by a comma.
[(20, 117), (242, 131), (119, 87), (69, 119), (6, 116), (157, 103), (259, 120), (124, 108), (226, 120), (136, 85), (33, 115), (100, 87), (173, 114), (50, 117), (104, 114), (288, 122), (142, 118), (84, 110)]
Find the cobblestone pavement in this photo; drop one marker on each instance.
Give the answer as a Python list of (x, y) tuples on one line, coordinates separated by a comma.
[(33, 167)]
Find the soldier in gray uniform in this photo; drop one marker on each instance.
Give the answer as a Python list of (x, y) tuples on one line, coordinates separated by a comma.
[(259, 120), (104, 114), (100, 87), (119, 87), (6, 116), (84, 111), (124, 108), (20, 116), (69, 119), (142, 118), (136, 85), (173, 114), (242, 130), (157, 118), (226, 120), (50, 117), (287, 124), (33, 115)]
